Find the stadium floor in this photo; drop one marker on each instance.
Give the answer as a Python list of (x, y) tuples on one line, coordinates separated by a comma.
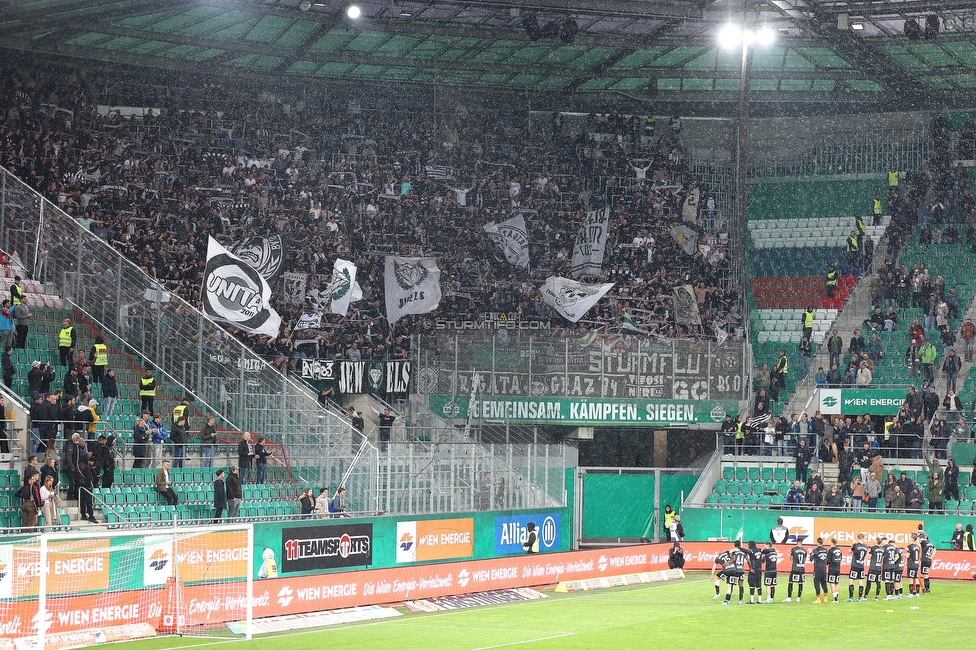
[(674, 615)]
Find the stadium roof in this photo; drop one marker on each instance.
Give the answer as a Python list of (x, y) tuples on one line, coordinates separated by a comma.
[(636, 50)]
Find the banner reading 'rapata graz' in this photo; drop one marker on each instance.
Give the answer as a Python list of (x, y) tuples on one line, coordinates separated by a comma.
[(236, 294)]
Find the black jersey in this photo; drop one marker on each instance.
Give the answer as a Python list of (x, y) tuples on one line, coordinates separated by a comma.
[(755, 557), (819, 556), (914, 555), (891, 554), (859, 553), (877, 558), (928, 551), (900, 559), (722, 559), (770, 558), (737, 561), (798, 555), (835, 557)]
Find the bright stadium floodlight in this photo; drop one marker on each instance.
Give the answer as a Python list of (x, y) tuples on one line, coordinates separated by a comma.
[(354, 12), (765, 36), (729, 36)]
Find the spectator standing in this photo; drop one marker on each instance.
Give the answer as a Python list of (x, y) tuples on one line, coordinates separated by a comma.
[(22, 316), (951, 367), (7, 365), (86, 500), (245, 456), (30, 493), (163, 485), (110, 393), (234, 494), (49, 507), (208, 438), (951, 481), (968, 333), (927, 355), (802, 458), (16, 292), (75, 457), (140, 440), (220, 496), (179, 437), (322, 502), (261, 453), (307, 503), (806, 349), (872, 490), (857, 493), (7, 336), (106, 459), (159, 435), (835, 346), (386, 425), (339, 503)]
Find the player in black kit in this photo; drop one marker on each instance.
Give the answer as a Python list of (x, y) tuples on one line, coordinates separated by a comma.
[(718, 571), (877, 554), (914, 566), (928, 552), (859, 554), (835, 557), (891, 554), (798, 555), (735, 571), (819, 556), (899, 568), (755, 558), (770, 558)]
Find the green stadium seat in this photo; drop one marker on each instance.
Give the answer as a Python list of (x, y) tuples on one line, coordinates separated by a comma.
[(738, 501), (725, 500), (970, 491), (721, 486), (754, 474), (733, 487), (779, 473), (965, 507), (952, 506), (751, 501), (728, 472), (741, 473), (764, 501), (767, 474)]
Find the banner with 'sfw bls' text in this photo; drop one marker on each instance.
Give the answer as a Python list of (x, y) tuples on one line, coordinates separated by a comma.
[(591, 241), (413, 286), (235, 294)]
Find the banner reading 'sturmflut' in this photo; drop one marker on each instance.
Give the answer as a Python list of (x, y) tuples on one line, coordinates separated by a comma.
[(236, 294)]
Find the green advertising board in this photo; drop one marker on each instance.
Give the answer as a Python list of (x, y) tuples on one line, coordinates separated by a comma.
[(859, 401), (584, 411)]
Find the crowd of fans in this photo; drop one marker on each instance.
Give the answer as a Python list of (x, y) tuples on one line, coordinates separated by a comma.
[(336, 178)]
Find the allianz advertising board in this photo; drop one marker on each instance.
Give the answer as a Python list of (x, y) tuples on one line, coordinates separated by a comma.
[(512, 531), (860, 401)]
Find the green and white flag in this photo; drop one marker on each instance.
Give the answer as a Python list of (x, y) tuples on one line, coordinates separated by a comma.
[(343, 286)]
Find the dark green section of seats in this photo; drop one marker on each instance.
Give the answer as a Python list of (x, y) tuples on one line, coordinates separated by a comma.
[(794, 262), (811, 198)]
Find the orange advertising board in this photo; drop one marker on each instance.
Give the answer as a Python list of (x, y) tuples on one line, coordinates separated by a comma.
[(214, 605), (220, 555), (846, 530), (434, 539), (73, 567)]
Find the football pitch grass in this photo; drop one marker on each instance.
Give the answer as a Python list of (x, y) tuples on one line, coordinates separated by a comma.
[(676, 615)]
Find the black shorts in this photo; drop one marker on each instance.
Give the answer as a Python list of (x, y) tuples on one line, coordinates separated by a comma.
[(856, 574), (755, 580), (797, 577), (912, 572), (925, 570), (733, 578), (874, 577), (889, 575), (897, 574), (833, 578), (769, 580), (721, 575)]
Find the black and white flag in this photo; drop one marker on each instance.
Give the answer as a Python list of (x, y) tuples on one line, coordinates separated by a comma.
[(293, 288), (512, 239), (236, 294), (263, 254), (687, 236), (686, 306), (437, 171), (689, 210), (343, 281), (570, 298), (309, 322), (590, 243), (413, 286)]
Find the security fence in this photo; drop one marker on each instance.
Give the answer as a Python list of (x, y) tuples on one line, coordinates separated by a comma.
[(161, 330)]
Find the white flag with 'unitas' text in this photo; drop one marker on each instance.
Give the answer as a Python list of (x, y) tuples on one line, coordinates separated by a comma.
[(236, 294)]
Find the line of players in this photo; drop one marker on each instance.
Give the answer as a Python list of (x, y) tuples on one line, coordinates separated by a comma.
[(881, 563)]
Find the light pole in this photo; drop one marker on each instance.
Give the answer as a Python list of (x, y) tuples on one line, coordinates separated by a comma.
[(729, 37)]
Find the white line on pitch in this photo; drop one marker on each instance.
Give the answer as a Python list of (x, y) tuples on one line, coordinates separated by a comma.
[(545, 638)]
